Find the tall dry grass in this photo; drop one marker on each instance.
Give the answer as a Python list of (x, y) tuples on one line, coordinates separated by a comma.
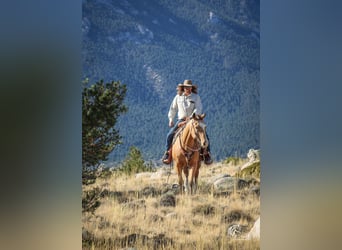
[(128, 218)]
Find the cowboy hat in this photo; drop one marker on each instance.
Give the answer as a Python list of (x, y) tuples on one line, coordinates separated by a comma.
[(188, 83)]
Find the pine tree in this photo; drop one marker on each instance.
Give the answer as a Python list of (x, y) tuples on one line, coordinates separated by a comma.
[(102, 104)]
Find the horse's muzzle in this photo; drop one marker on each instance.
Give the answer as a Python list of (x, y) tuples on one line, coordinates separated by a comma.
[(204, 144)]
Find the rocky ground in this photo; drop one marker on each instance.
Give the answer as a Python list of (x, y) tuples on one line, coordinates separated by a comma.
[(146, 211)]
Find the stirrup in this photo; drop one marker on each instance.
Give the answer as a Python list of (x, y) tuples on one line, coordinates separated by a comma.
[(207, 159)]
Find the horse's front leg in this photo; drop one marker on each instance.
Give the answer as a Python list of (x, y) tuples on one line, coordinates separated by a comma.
[(186, 173), (194, 185), (191, 176), (178, 169), (180, 182), (186, 185)]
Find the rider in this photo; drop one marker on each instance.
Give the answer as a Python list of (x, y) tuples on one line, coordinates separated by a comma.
[(185, 104)]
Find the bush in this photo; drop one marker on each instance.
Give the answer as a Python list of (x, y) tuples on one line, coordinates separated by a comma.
[(134, 163), (233, 160)]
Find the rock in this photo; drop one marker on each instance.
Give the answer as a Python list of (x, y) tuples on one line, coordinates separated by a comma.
[(250, 169), (255, 231), (253, 155), (168, 200), (217, 177), (236, 230), (228, 184)]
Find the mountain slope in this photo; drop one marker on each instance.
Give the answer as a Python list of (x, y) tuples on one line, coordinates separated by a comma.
[(151, 46)]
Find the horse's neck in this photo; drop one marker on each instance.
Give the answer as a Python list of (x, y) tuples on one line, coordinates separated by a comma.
[(187, 138)]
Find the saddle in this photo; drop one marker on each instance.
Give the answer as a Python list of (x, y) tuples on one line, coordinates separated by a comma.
[(177, 134)]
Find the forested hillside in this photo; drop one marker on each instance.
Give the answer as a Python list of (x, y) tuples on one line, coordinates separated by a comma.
[(153, 45)]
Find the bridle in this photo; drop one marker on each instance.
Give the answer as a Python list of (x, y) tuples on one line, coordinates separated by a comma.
[(188, 151)]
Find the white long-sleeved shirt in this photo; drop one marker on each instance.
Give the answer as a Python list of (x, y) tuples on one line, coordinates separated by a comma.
[(185, 106)]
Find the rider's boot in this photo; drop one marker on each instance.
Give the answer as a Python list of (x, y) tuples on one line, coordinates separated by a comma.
[(207, 157), (166, 157)]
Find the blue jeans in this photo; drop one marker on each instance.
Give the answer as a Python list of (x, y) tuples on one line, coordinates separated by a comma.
[(172, 132)]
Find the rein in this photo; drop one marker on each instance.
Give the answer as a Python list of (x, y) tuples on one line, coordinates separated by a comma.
[(192, 150)]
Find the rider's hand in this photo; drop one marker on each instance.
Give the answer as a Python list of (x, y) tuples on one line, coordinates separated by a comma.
[(181, 124), (171, 124)]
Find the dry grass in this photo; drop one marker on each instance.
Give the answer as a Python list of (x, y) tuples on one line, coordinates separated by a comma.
[(128, 218)]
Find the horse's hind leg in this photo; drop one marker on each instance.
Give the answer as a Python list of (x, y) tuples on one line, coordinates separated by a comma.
[(195, 178)]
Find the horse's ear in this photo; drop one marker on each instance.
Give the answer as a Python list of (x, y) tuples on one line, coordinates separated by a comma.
[(193, 116), (202, 116)]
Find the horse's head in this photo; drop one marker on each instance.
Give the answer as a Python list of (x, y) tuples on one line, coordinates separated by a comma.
[(199, 129)]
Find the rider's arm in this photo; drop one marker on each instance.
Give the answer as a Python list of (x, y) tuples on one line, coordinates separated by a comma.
[(173, 110), (198, 105)]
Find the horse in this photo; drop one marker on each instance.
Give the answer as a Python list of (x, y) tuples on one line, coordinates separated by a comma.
[(186, 152)]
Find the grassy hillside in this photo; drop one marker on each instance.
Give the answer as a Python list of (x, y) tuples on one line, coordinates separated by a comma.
[(146, 211)]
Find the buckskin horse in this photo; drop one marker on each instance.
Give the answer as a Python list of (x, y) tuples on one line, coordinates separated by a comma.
[(186, 152)]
